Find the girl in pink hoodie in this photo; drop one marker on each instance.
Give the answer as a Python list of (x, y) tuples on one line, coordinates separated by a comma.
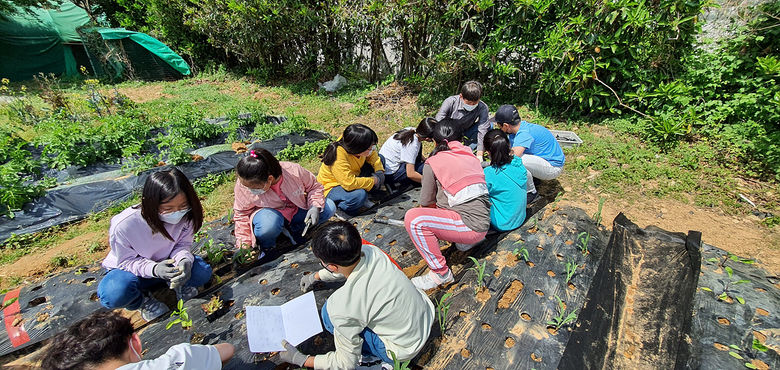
[(455, 204), (150, 246), (272, 196)]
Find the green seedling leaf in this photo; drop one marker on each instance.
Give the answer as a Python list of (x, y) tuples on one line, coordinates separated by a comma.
[(172, 323), (750, 366), (729, 271), (743, 281), (180, 304), (723, 296), (713, 260), (740, 300), (736, 355), (9, 302), (734, 346), (704, 288), (758, 346)]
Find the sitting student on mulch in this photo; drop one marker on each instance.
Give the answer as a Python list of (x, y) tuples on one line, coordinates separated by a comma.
[(150, 246), (376, 311), (351, 168), (273, 196), (506, 178), (402, 155), (105, 340)]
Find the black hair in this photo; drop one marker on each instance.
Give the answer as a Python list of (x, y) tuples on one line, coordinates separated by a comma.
[(471, 90), (257, 165), (161, 187), (356, 139), (424, 130), (337, 242), (100, 337), (497, 145), (444, 132)]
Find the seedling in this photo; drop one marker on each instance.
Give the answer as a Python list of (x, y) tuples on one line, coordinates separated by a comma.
[(442, 307), (397, 364), (243, 256), (182, 317), (571, 269), (597, 215), (479, 269), (583, 239), (9, 302), (740, 354), (214, 253), (213, 305), (733, 257), (521, 253), (725, 294), (562, 318)]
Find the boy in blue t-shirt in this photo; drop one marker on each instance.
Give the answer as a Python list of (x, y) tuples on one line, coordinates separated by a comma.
[(542, 155)]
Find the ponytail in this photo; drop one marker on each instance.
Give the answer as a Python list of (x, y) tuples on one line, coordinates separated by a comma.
[(498, 147), (443, 133), (329, 155), (258, 165), (405, 136)]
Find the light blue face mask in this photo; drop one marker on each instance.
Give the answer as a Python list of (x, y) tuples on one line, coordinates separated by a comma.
[(173, 217)]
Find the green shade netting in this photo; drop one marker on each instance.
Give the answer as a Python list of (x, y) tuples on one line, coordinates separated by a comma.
[(34, 41), (149, 43)]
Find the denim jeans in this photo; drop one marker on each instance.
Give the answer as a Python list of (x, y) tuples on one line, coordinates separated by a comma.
[(122, 289), (348, 201), (268, 223), (372, 345), (471, 136), (399, 176)]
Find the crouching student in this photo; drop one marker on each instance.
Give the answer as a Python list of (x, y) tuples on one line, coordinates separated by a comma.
[(506, 178), (150, 246), (105, 340), (376, 311), (469, 114), (271, 196), (350, 168), (542, 155), (455, 205), (401, 154)]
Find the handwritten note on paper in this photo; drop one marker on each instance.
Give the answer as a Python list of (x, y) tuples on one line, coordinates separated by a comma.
[(294, 321)]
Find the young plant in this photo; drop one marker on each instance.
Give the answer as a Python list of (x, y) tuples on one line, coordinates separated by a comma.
[(562, 318), (521, 253), (442, 307), (740, 354), (571, 269), (213, 305), (583, 240), (479, 269), (597, 215), (243, 256), (397, 364), (214, 253), (182, 317)]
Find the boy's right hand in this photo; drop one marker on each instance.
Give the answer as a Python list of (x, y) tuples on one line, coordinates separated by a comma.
[(166, 270), (307, 282)]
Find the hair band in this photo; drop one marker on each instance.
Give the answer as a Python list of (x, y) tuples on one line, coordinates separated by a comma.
[(252, 154)]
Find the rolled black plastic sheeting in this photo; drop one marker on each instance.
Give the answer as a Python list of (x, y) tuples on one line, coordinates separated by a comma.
[(638, 311)]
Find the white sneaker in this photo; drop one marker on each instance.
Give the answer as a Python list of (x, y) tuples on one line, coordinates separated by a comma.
[(432, 280), (369, 360), (465, 247), (386, 366), (188, 292), (152, 308)]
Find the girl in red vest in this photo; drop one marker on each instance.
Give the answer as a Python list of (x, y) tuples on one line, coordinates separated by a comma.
[(455, 204)]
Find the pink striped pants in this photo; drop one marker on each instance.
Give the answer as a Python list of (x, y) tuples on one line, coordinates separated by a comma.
[(427, 225)]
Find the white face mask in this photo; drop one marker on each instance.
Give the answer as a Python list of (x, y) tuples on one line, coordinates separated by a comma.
[(469, 108), (173, 217), (256, 191)]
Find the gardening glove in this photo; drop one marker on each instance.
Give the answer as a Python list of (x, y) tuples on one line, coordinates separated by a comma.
[(185, 266), (165, 270), (291, 355), (485, 164), (307, 282), (312, 216), (380, 179)]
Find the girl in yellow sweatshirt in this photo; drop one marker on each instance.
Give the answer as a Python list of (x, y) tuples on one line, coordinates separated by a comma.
[(350, 168)]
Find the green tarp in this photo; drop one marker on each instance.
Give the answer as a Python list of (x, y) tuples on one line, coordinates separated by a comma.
[(40, 40), (35, 41)]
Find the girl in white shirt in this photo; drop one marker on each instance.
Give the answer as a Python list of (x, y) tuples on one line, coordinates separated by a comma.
[(402, 156)]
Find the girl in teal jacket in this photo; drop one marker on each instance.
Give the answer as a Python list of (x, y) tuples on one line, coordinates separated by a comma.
[(506, 178)]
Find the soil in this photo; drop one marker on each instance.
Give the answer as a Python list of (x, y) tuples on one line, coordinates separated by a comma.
[(145, 93), (510, 295)]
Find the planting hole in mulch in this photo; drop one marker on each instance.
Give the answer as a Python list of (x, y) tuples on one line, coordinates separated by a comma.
[(539, 293), (510, 294), (263, 282), (571, 286), (762, 312), (760, 365), (569, 242), (761, 290), (550, 273), (275, 291), (379, 236), (552, 330), (294, 265), (404, 253), (465, 353), (393, 242), (530, 264), (93, 297), (462, 313), (539, 249), (559, 257), (723, 321), (36, 288), (509, 342), (306, 273), (496, 272), (88, 281), (486, 326), (760, 336), (36, 301), (535, 357), (525, 316), (483, 295), (720, 347)]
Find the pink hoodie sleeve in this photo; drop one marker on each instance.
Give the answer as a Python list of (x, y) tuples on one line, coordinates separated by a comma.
[(242, 210), (128, 259)]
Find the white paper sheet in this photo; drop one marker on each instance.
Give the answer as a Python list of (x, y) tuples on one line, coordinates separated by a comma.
[(294, 321)]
